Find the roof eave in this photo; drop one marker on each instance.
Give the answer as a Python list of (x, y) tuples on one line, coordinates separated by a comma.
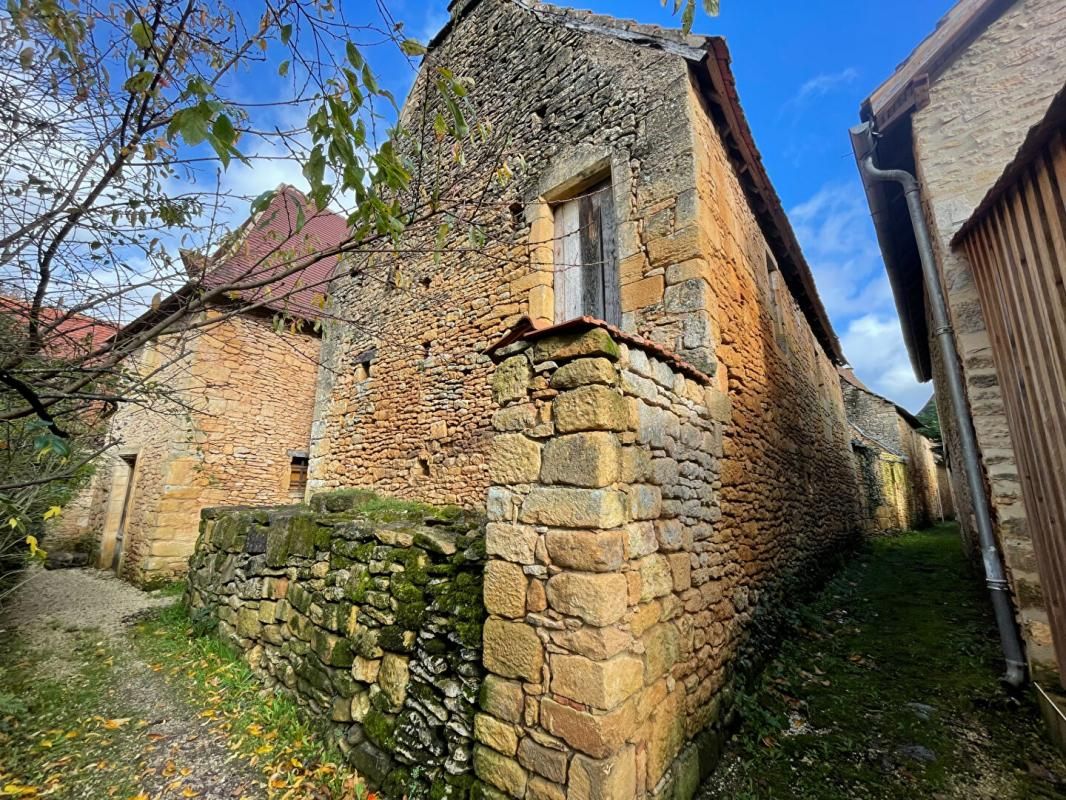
[(765, 202)]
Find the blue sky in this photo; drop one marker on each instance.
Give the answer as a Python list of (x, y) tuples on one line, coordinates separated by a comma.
[(802, 70)]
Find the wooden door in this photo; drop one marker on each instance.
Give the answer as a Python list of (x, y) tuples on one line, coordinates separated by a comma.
[(127, 495)]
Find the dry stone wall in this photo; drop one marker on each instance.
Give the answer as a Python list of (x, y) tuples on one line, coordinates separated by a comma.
[(366, 611), (619, 608)]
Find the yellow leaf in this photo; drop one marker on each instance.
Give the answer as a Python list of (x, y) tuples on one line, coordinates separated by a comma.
[(54, 511), (277, 783), (187, 792), (140, 796), (19, 790), (115, 724)]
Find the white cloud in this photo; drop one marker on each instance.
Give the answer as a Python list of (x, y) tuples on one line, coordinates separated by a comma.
[(838, 240), (834, 229), (874, 345), (819, 86)]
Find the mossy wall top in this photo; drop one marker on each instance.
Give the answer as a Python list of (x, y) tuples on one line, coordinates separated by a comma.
[(368, 611)]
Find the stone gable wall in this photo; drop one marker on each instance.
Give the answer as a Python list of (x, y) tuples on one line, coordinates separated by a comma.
[(977, 115), (368, 613), (249, 392), (620, 599), (572, 107)]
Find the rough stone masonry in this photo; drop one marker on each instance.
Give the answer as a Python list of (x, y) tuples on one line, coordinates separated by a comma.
[(369, 613), (618, 603)]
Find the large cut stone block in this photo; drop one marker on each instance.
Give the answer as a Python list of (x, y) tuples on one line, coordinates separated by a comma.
[(513, 458), (573, 508), (565, 346), (598, 735), (589, 551), (604, 779), (500, 736), (590, 408), (602, 684), (584, 371), (502, 698), (505, 589), (588, 459), (513, 650), (498, 770), (543, 760), (515, 543), (511, 380), (599, 599)]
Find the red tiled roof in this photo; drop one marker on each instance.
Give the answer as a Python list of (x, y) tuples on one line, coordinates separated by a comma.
[(529, 329), (270, 243), (73, 334)]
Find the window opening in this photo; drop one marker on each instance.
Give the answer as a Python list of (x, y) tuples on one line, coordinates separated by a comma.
[(586, 268)]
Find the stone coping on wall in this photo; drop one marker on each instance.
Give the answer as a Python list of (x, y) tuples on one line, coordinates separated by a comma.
[(528, 329)]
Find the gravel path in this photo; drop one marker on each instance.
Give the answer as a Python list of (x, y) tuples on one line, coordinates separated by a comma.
[(182, 755)]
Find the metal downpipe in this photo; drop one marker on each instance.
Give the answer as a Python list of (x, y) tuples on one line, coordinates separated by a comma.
[(995, 577)]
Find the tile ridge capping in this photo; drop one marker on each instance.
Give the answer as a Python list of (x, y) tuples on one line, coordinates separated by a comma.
[(528, 329)]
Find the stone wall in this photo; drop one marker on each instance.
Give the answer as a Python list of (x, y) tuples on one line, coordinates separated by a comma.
[(369, 613), (897, 467), (418, 424), (978, 112), (245, 395), (621, 602)]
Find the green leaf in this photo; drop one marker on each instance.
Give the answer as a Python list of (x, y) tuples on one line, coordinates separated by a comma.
[(688, 16), (262, 201), (412, 47), (315, 168), (141, 35), (139, 82), (223, 130), (286, 33), (283, 68), (354, 56)]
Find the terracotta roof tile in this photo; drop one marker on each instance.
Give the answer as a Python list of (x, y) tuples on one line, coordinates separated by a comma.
[(270, 242)]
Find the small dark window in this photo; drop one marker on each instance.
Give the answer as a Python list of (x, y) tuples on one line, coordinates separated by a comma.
[(586, 268), (363, 363), (298, 474)]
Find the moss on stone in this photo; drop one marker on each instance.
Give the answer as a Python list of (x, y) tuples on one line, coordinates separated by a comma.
[(391, 638), (380, 728)]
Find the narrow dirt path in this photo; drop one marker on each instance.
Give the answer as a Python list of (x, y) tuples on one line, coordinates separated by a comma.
[(59, 622)]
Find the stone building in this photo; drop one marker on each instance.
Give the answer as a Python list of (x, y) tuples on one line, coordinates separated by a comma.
[(897, 465), (234, 427), (954, 114), (663, 444)]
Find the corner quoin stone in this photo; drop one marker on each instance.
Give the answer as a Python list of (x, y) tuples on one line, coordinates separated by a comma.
[(573, 508), (510, 382), (590, 459), (598, 598), (512, 649), (565, 346), (590, 408), (513, 458)]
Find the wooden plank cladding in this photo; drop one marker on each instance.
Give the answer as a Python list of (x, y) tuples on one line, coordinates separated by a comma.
[(1016, 244)]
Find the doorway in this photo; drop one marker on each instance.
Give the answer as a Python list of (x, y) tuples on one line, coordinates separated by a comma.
[(118, 508)]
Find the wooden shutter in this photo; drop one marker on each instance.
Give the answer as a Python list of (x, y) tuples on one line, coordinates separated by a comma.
[(586, 269)]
